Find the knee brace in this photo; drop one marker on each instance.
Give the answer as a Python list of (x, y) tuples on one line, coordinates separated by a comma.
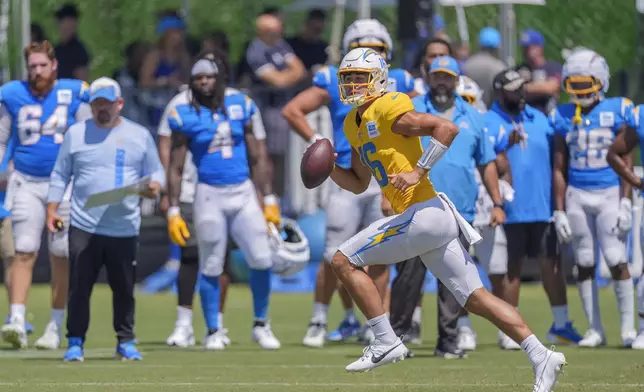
[(585, 258)]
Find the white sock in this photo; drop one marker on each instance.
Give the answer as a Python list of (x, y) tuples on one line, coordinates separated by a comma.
[(320, 312), (220, 320), (350, 315), (184, 316), (464, 322), (57, 316), (418, 315), (560, 314), (535, 350), (18, 310), (590, 301), (624, 293), (382, 330)]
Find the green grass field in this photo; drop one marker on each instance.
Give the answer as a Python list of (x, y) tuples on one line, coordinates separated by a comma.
[(244, 367)]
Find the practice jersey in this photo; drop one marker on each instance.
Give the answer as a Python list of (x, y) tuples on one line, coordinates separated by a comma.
[(37, 125), (216, 140), (327, 79), (386, 153), (634, 120), (588, 142)]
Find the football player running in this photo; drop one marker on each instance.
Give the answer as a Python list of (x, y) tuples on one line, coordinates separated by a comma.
[(622, 147), (34, 116), (220, 130), (384, 132), (346, 212), (591, 204)]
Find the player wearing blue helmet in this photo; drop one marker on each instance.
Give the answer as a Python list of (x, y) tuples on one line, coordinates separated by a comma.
[(34, 116), (347, 212)]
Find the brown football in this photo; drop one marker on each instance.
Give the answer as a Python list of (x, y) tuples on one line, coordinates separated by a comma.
[(317, 163)]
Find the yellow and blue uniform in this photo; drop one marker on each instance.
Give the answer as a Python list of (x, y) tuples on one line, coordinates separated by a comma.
[(387, 153)]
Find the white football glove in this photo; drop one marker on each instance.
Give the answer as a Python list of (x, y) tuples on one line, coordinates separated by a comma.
[(562, 227), (625, 216)]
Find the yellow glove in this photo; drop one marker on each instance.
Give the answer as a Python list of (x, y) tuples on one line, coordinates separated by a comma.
[(177, 228), (271, 210)]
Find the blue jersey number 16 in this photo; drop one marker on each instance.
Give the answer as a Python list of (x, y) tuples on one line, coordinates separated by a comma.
[(376, 166)]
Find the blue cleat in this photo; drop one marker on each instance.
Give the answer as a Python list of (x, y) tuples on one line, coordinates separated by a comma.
[(28, 327), (346, 330), (566, 335), (127, 351), (74, 351)]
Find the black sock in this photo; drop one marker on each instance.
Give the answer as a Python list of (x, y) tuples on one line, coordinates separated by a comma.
[(188, 272), (259, 323)]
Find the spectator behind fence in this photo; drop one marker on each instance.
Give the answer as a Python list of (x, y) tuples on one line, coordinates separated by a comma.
[(524, 134), (73, 58), (485, 64), (309, 45), (37, 33), (543, 76), (98, 155), (128, 78), (276, 69)]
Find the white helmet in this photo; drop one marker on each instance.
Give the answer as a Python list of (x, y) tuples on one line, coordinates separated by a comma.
[(367, 33), (586, 76), (374, 77), (291, 252), (469, 90)]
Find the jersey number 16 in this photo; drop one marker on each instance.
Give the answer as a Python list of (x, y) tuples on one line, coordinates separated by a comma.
[(31, 127), (377, 169)]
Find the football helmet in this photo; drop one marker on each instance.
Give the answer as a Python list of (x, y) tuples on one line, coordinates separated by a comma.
[(291, 252), (469, 90), (362, 76), (367, 33), (585, 76)]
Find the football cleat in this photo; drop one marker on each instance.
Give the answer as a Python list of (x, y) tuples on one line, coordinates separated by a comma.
[(378, 354), (628, 338), (28, 327), (506, 343), (466, 339), (547, 371), (315, 335), (50, 340), (14, 333), (565, 335), (593, 338), (215, 341), (263, 335), (346, 330), (127, 351), (74, 352), (182, 336), (638, 343)]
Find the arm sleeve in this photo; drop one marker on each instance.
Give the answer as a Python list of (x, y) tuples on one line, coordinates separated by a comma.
[(254, 117), (62, 173), (393, 105), (152, 164)]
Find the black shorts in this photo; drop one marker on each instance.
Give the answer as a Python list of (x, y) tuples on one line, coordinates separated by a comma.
[(532, 240)]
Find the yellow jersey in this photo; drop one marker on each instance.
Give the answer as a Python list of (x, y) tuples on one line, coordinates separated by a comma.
[(387, 153)]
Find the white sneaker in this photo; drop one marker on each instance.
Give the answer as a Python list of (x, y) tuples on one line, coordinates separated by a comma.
[(377, 354), (592, 338), (50, 340), (638, 343), (215, 341), (264, 336), (182, 336), (224, 336), (628, 338), (466, 339), (315, 335), (506, 343), (547, 371), (14, 333)]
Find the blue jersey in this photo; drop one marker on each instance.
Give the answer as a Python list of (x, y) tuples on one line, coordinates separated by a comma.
[(38, 125), (588, 142), (454, 173), (635, 121), (529, 161), (216, 140), (327, 79)]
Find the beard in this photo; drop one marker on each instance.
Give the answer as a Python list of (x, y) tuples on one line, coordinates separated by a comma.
[(441, 94), (41, 84), (103, 117), (515, 106)]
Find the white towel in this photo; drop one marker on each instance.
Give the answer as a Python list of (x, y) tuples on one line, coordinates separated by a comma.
[(471, 235)]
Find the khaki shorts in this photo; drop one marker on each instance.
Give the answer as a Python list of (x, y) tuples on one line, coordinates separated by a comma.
[(6, 240)]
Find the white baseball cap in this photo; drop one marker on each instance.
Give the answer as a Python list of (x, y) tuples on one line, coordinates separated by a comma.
[(105, 88)]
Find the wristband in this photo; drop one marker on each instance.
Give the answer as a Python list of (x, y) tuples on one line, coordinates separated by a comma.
[(270, 200), (499, 205), (432, 154), (173, 211)]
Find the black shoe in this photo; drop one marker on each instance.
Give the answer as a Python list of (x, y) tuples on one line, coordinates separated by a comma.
[(450, 353)]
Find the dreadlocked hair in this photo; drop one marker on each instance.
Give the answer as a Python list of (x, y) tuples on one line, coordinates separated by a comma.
[(218, 96)]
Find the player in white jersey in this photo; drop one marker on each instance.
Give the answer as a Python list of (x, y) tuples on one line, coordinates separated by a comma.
[(34, 117), (591, 204)]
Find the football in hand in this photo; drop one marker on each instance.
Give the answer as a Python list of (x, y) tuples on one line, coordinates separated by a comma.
[(317, 163)]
